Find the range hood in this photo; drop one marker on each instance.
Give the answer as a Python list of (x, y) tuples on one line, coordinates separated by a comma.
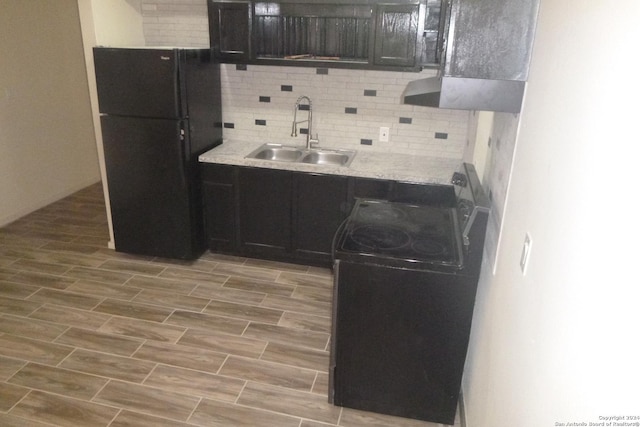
[(460, 93), (484, 57)]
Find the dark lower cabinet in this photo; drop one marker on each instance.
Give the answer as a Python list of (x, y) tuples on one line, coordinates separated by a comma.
[(264, 203), (219, 193), (369, 188), (292, 216), (320, 206), (273, 214), (432, 194)]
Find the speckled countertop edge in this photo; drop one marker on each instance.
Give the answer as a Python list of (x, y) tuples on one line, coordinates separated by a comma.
[(366, 164)]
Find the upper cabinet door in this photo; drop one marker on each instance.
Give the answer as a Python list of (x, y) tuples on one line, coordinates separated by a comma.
[(230, 30), (396, 34)]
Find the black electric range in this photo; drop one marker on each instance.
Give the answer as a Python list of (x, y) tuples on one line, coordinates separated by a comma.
[(405, 279), (401, 235)]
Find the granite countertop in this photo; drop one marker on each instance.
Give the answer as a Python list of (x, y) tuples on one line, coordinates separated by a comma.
[(366, 164)]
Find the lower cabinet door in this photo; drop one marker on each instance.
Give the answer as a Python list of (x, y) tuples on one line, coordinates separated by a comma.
[(265, 212), (220, 216), (218, 193), (320, 205)]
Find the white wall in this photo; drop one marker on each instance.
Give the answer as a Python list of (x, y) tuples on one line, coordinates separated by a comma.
[(47, 145), (176, 23), (117, 22), (560, 344), (482, 142)]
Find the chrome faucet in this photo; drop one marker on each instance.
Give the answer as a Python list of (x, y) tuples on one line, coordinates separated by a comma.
[(294, 129)]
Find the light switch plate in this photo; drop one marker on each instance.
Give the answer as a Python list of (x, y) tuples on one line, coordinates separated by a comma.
[(526, 252)]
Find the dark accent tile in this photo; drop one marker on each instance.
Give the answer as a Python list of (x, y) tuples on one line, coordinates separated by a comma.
[(303, 131), (241, 67), (265, 99), (406, 120), (217, 125), (442, 135), (303, 107), (322, 71), (229, 125), (366, 142), (260, 122), (350, 110), (286, 88), (370, 92)]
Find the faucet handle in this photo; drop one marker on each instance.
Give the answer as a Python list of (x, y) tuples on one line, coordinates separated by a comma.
[(314, 141)]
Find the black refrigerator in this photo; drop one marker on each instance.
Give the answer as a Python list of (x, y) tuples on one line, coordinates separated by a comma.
[(159, 110)]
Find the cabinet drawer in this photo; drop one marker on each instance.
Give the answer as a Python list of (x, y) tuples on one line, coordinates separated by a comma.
[(222, 174)]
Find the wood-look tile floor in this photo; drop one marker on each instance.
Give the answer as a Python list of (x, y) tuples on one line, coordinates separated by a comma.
[(92, 337)]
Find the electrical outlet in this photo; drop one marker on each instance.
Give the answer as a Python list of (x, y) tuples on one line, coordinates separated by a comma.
[(384, 134), (526, 252)]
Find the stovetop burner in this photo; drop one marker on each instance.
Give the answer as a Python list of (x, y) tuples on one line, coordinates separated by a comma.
[(429, 247), (405, 232), (382, 213), (382, 238)]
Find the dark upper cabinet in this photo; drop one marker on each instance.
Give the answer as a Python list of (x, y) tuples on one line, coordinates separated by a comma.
[(484, 56), (431, 37), (321, 31), (229, 29), (396, 34), (363, 34)]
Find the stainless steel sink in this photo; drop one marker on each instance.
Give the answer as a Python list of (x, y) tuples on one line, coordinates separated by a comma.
[(313, 156), (276, 152), (326, 158)]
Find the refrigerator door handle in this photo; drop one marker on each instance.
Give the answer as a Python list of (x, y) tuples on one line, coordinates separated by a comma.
[(184, 141), (185, 148)]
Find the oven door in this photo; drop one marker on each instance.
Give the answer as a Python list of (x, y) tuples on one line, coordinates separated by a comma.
[(399, 340)]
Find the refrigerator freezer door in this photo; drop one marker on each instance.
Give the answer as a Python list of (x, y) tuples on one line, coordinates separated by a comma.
[(149, 187), (139, 82)]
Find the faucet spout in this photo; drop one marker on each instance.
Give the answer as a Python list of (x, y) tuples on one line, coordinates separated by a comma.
[(294, 127)]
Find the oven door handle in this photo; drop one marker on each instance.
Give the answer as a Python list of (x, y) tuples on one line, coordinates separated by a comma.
[(336, 237)]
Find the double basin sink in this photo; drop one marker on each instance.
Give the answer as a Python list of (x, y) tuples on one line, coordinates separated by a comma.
[(293, 154)]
